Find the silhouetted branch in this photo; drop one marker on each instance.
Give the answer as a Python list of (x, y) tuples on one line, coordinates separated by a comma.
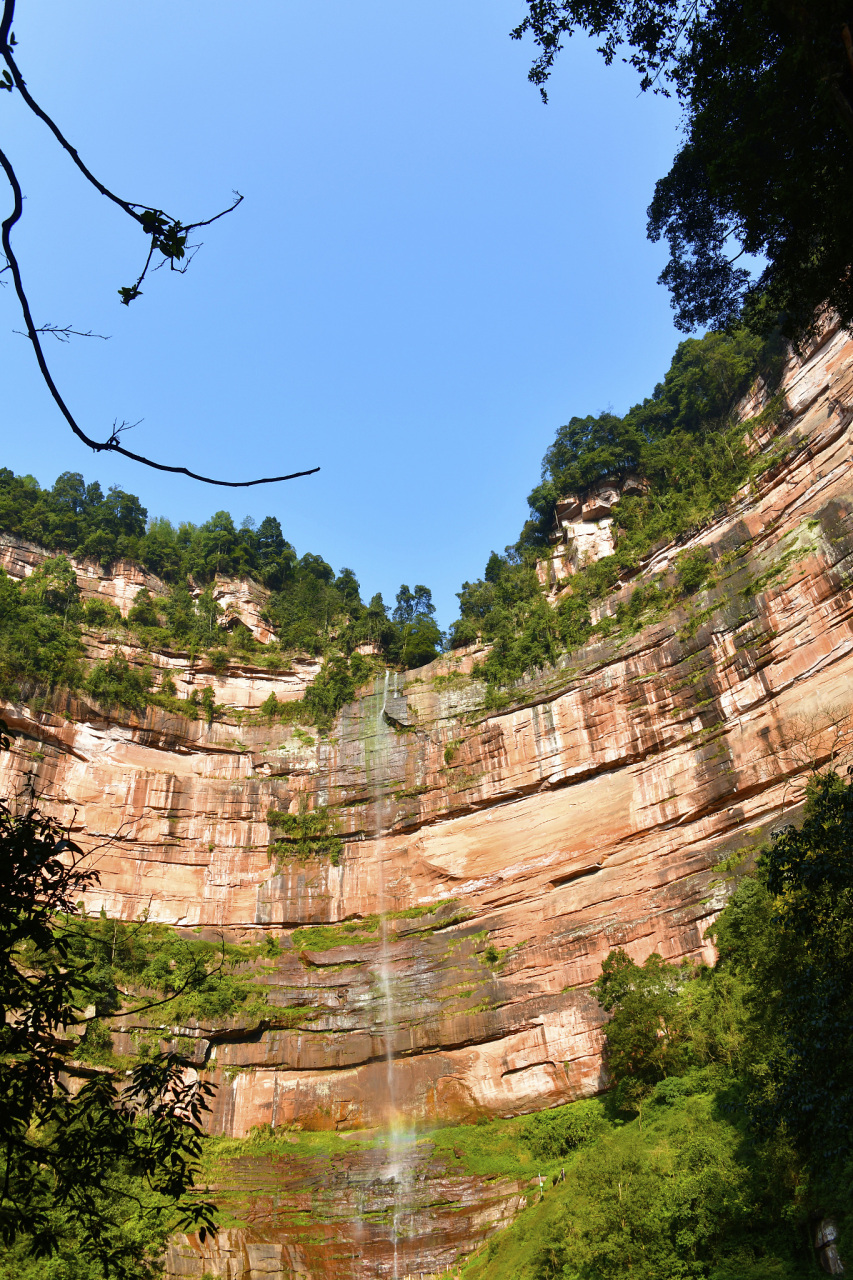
[(168, 236), (63, 333), (111, 445)]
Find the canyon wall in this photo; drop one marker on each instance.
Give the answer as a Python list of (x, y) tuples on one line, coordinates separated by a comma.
[(489, 859)]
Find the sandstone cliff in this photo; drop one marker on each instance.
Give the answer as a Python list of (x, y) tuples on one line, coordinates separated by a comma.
[(589, 813)]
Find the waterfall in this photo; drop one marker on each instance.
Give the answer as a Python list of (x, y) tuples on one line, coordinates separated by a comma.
[(396, 1137)]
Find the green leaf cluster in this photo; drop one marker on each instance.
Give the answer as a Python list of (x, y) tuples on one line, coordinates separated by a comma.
[(190, 979), (104, 1170), (311, 609), (303, 835), (754, 207), (40, 645)]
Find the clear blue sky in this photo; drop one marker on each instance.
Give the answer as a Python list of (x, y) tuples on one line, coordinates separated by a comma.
[(431, 271)]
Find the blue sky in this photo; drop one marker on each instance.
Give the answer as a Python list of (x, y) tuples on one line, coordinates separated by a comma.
[(430, 272)]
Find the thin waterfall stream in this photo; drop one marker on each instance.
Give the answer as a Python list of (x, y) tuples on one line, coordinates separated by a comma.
[(397, 1137)]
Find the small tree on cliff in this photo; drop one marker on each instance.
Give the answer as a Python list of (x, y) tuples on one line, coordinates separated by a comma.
[(419, 639), (106, 1170)]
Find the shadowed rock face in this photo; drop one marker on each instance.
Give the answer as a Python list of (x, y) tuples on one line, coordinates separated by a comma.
[(588, 814)]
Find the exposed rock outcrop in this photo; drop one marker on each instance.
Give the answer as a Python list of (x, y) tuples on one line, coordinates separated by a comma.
[(589, 813), (583, 529)]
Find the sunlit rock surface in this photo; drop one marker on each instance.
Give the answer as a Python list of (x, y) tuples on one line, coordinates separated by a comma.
[(588, 814)]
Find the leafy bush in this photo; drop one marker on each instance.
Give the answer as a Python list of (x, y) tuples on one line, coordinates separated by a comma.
[(40, 644), (203, 981), (102, 613), (303, 835), (333, 687), (552, 1134), (646, 1034), (115, 683)]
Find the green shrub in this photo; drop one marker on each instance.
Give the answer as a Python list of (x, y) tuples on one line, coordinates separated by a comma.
[(115, 683), (303, 835), (551, 1135), (208, 704), (694, 568), (102, 613), (143, 612), (334, 687), (40, 641)]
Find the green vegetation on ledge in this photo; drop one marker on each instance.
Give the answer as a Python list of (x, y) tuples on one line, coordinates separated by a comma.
[(191, 979), (692, 456), (303, 835)]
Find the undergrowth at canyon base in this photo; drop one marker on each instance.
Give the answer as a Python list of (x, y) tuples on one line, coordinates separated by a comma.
[(727, 1133)]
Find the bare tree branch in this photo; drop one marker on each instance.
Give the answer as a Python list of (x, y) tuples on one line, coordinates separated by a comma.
[(111, 445), (63, 332), (168, 236), (813, 740)]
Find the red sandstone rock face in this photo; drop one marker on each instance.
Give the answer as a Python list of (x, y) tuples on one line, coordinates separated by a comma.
[(333, 1218), (589, 814)]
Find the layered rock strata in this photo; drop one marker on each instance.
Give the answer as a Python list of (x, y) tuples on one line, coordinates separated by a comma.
[(343, 1215), (489, 859)]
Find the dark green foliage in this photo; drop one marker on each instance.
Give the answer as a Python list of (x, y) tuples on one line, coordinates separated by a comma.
[(764, 166), (680, 440), (270, 706), (798, 952), (745, 1071), (694, 568), (646, 1034), (591, 449), (418, 639), (188, 978), (552, 1134), (413, 604), (208, 704), (102, 614), (72, 516), (143, 612), (310, 603), (508, 609), (678, 1198), (333, 687), (420, 642), (40, 647), (691, 457), (311, 609), (741, 1075), (303, 835), (107, 1170), (115, 683)]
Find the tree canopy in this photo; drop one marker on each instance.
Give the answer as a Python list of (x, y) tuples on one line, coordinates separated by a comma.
[(764, 170), (92, 1163)]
